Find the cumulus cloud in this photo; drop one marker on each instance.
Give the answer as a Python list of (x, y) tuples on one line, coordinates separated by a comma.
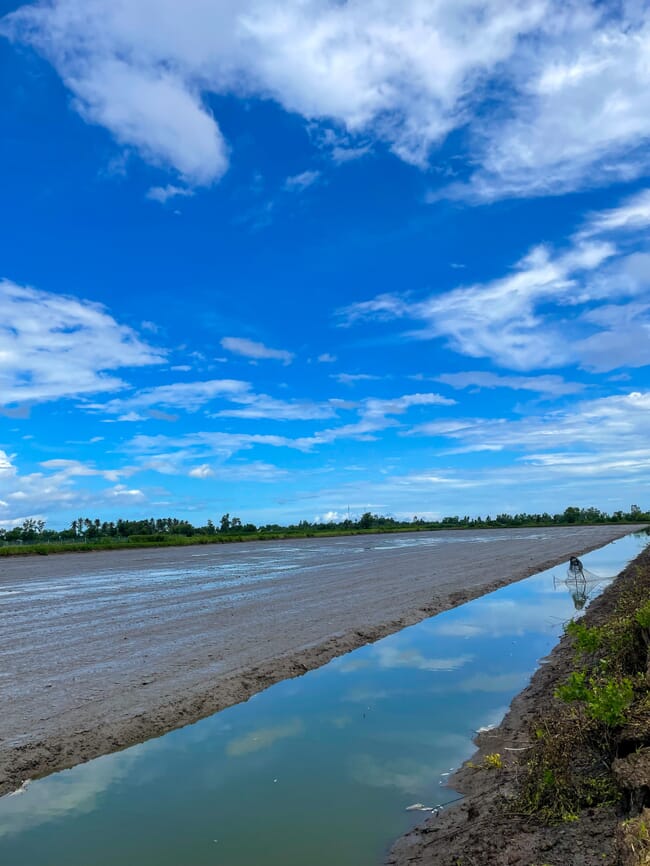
[(400, 74), (65, 469), (202, 471), (254, 350), (54, 346), (121, 491), (554, 95), (582, 115), (6, 466), (59, 486), (574, 79)]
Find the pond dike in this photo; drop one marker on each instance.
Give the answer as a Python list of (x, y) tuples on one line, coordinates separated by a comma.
[(487, 828)]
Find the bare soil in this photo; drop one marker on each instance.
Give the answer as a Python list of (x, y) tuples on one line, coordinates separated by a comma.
[(103, 650)]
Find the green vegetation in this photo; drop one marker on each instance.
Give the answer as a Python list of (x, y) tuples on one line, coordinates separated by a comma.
[(605, 699), (601, 713), (84, 533), (494, 761)]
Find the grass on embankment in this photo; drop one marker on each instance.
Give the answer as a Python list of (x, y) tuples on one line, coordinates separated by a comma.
[(590, 746)]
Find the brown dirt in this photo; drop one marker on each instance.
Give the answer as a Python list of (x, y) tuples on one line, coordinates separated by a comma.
[(101, 651), (482, 830)]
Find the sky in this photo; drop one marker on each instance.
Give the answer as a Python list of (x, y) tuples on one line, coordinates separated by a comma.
[(304, 259)]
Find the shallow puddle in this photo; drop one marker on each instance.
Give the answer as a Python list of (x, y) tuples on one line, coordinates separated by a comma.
[(316, 770)]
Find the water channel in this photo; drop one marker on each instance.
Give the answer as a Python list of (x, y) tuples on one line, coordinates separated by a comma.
[(315, 770)]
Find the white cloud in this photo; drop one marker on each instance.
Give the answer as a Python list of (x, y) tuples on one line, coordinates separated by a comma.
[(167, 453), (147, 107), (556, 96), (552, 309), (189, 396), (65, 469), (263, 406), (202, 471), (353, 378), (192, 396), (633, 213), (131, 418), (301, 181), (402, 75), (374, 416), (162, 194), (255, 471), (581, 116), (193, 445), (326, 358), (154, 111), (554, 385), (616, 424), (58, 487), (120, 491), (254, 350), (498, 319), (6, 466), (54, 346)]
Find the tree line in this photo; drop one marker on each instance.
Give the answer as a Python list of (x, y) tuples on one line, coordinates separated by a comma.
[(85, 529)]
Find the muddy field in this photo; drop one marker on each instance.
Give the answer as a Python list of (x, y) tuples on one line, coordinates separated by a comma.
[(102, 650)]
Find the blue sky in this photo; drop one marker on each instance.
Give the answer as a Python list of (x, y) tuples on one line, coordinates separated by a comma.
[(285, 259)]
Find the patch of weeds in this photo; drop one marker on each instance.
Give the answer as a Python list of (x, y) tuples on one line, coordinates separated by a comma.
[(563, 773), (642, 616), (585, 639), (493, 761), (606, 699)]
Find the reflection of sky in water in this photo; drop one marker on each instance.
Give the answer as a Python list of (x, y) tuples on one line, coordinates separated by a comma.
[(315, 770)]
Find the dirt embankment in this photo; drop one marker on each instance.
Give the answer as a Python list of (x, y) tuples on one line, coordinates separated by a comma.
[(106, 650), (489, 828)]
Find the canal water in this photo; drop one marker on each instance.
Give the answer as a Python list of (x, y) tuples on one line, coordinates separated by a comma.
[(316, 770)]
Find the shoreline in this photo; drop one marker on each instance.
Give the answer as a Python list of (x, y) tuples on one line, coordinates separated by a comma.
[(94, 721), (477, 830)]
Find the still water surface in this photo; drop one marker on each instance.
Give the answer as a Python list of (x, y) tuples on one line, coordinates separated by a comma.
[(315, 770)]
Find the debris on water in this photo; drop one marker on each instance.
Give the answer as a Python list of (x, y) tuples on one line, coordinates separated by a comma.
[(22, 788)]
